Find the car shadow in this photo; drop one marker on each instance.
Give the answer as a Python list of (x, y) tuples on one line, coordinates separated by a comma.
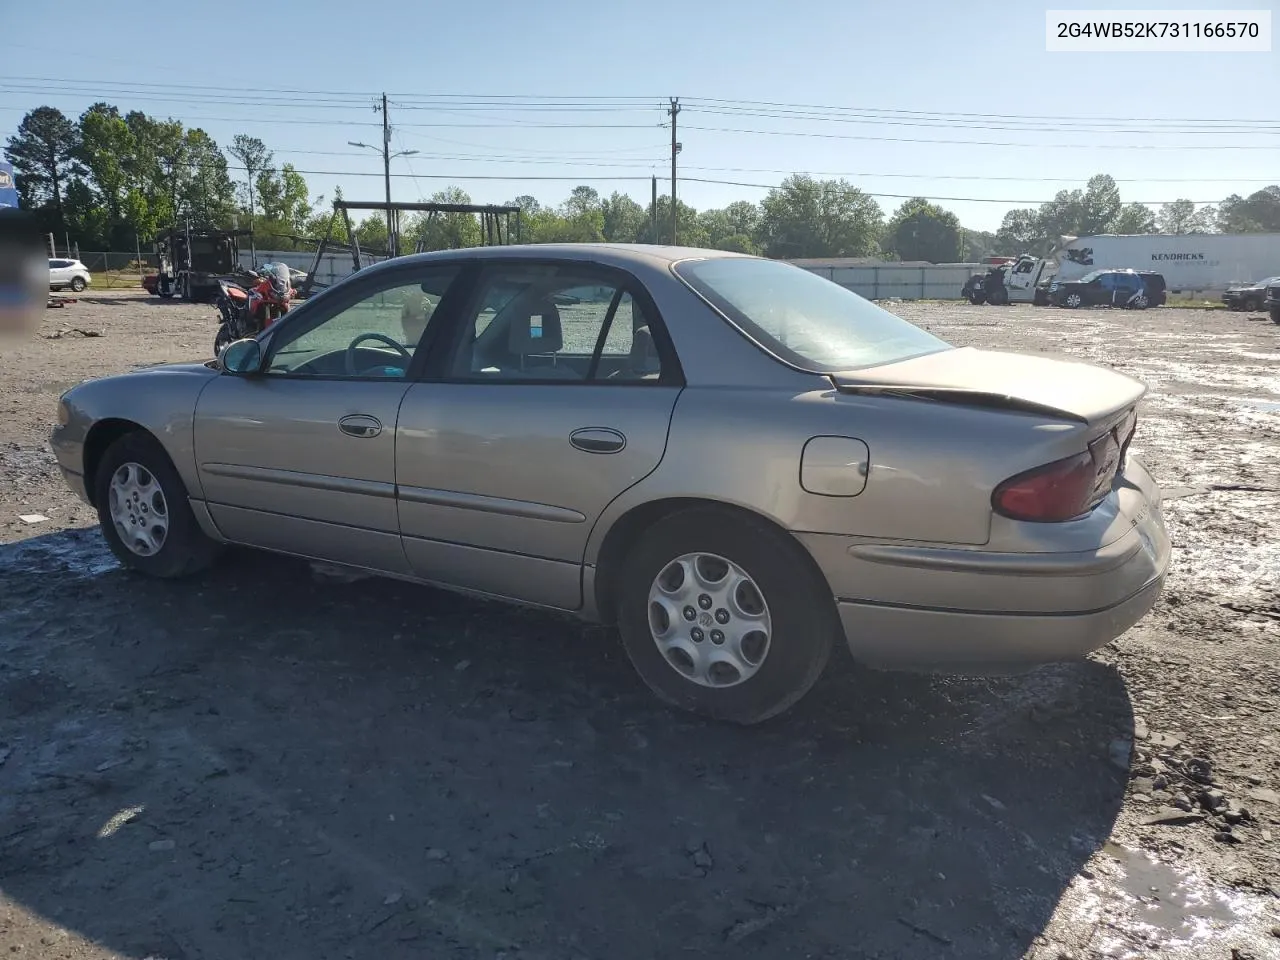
[(257, 763)]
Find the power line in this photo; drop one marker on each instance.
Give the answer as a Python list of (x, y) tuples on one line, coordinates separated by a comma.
[(911, 196)]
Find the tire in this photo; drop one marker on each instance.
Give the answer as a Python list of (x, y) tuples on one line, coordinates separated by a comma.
[(77, 284), (221, 339), (164, 288), (977, 299), (184, 549), (1275, 314), (799, 621), (1141, 303), (999, 297), (1072, 301)]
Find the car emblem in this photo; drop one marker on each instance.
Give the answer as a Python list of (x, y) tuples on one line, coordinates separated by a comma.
[(704, 619)]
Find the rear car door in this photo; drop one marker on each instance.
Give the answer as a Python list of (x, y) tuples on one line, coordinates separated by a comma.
[(1124, 287), (301, 457), (552, 397)]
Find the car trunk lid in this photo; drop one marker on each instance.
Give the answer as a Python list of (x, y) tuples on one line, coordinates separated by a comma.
[(1018, 383)]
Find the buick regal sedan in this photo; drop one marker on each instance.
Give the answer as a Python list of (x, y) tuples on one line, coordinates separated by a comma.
[(735, 461)]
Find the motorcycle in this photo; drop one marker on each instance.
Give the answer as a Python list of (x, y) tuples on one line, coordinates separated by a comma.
[(246, 309)]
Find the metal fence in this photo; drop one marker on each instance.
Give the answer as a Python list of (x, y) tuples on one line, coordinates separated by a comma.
[(902, 281), (114, 271), (334, 265)]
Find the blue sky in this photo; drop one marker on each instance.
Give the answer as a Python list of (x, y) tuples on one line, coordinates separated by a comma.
[(881, 84)]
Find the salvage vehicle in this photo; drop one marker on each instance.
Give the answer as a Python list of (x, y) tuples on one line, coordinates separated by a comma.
[(736, 461), (1111, 288), (1248, 296), (64, 272), (1272, 301)]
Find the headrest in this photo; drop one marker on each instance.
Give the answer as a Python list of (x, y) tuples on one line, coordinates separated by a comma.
[(536, 331), (643, 351)]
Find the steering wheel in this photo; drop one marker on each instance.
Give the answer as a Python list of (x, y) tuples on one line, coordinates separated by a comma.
[(351, 351)]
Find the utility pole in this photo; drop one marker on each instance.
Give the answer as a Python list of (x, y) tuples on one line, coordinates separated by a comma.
[(675, 148), (386, 171), (653, 210)]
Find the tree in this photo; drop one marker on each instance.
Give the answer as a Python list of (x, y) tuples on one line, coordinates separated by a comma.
[(1181, 216), (283, 197), (204, 185), (1257, 213), (1134, 218), (623, 218), (254, 157), (977, 244), (43, 156), (805, 217), (691, 232), (106, 147), (921, 230), (446, 231)]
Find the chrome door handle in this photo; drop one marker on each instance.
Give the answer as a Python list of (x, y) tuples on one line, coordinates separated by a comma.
[(598, 440), (360, 425)]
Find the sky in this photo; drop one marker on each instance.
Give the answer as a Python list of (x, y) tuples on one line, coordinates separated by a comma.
[(956, 101)]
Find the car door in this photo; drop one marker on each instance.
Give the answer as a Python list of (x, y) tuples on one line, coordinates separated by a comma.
[(59, 272), (552, 396), (300, 456), (1124, 286)]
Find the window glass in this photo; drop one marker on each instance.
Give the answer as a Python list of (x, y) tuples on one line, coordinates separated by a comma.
[(555, 323), (807, 320), (375, 337)]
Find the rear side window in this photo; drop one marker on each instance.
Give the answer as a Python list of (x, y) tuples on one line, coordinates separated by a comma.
[(804, 319)]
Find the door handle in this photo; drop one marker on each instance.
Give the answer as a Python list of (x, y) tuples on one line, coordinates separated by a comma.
[(360, 425), (598, 440)]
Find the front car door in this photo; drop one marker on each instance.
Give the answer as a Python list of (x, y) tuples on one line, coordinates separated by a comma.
[(553, 396), (301, 456)]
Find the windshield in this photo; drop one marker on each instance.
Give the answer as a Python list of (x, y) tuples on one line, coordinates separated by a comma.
[(801, 318), (1091, 276)]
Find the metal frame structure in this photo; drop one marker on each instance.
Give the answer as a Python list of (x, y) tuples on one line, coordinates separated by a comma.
[(495, 225)]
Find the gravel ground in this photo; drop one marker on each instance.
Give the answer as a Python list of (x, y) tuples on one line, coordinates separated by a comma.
[(266, 763)]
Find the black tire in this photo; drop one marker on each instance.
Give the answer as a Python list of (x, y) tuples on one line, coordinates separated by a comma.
[(1275, 314), (977, 299), (185, 549), (999, 297), (801, 609), (77, 284), (164, 288), (221, 339)]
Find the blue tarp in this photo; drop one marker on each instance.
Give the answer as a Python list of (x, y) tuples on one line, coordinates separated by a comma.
[(8, 190)]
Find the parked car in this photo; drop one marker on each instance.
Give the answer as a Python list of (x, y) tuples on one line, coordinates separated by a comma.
[(65, 273), (1248, 296), (1112, 288), (1272, 299), (736, 461)]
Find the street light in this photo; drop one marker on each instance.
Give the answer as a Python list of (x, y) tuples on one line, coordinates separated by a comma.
[(386, 172)]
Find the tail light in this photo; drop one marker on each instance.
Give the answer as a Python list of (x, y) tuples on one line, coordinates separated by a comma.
[(1070, 487)]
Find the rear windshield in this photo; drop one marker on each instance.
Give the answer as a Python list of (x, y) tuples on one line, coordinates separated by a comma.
[(802, 318)]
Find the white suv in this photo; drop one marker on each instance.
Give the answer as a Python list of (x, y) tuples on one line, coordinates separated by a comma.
[(68, 273)]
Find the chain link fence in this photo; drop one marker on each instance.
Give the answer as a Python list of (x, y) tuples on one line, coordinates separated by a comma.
[(118, 271)]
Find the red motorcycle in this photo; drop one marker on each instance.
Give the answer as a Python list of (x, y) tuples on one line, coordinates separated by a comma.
[(246, 309)]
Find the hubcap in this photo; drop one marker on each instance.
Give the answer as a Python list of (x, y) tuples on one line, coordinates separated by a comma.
[(709, 620), (1074, 300), (138, 509)]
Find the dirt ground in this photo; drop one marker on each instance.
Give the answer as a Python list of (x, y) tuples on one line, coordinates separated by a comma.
[(265, 763)]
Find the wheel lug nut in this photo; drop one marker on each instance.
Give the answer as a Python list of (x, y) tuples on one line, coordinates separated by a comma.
[(697, 634), (722, 615), (690, 613), (717, 636), (704, 602)]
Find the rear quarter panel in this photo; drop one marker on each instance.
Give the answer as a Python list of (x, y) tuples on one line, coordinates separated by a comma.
[(932, 468)]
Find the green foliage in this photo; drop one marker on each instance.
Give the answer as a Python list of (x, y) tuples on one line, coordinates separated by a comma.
[(805, 217), (1182, 216), (43, 154), (1257, 213), (921, 230)]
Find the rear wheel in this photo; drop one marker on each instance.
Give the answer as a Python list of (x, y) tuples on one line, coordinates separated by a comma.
[(1141, 302), (998, 297), (221, 339), (724, 616), (77, 284), (1275, 314), (144, 513)]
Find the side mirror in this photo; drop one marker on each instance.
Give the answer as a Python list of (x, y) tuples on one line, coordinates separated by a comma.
[(241, 357)]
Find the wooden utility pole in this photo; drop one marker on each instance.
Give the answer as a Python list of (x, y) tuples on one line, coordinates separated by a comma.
[(386, 173), (673, 111), (653, 211)]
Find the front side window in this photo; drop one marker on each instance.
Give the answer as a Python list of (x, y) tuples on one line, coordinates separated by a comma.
[(571, 323), (805, 320), (373, 338)]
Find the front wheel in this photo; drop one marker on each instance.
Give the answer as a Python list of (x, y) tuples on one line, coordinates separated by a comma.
[(999, 297), (1073, 300), (221, 339), (724, 616), (144, 513)]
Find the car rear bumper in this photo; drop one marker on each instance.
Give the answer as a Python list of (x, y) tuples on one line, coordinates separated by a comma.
[(922, 639), (934, 607)]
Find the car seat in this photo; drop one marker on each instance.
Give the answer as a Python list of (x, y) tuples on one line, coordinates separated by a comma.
[(535, 334)]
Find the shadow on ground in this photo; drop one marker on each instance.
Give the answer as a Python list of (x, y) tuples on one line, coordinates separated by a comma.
[(257, 764)]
